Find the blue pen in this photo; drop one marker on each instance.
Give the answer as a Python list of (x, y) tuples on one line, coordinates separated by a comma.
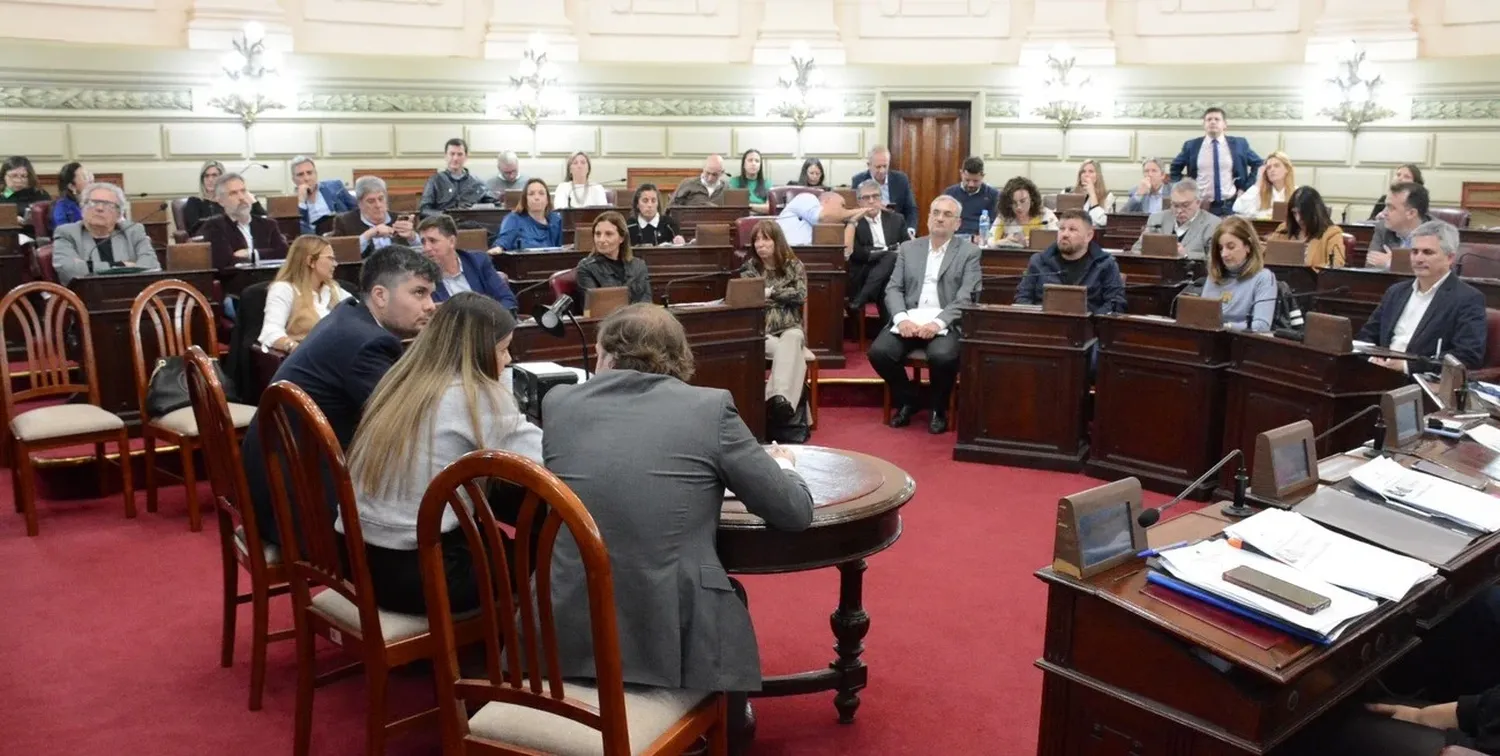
[(1157, 552)]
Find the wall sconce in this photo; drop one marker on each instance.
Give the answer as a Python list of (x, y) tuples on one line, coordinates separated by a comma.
[(1066, 101), (534, 93), (800, 96), (1357, 96), (251, 83)]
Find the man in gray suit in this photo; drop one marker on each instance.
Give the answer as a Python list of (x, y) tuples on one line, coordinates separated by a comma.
[(650, 457), (100, 241), (1406, 208), (934, 275), (1185, 219)]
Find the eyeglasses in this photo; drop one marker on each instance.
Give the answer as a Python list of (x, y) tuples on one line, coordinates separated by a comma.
[(1184, 205), (101, 205), (868, 197)]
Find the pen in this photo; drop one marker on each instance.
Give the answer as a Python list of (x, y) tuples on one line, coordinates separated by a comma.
[(1157, 551)]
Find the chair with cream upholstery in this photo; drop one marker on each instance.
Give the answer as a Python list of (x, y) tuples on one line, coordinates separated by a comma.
[(50, 372), (297, 442), (179, 316), (240, 543), (524, 704)]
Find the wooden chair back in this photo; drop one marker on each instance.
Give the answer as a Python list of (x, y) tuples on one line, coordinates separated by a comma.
[(221, 452), (474, 239), (180, 316), (303, 460), (45, 336), (520, 626)]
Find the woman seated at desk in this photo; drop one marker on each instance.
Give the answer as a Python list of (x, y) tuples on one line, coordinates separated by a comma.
[(752, 178), (447, 388), (612, 263), (577, 191), (786, 295), (648, 226), (1098, 200), (1276, 181), (302, 294), (1307, 221), (1021, 212), (533, 224), (71, 181), (20, 184), (1238, 278), (811, 174)]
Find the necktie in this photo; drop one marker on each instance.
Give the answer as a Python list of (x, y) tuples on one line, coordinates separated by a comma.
[(1218, 188)]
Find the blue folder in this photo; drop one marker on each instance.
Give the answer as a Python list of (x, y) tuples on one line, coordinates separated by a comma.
[(1167, 581)]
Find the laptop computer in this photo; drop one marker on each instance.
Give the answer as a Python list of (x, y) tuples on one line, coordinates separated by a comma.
[(1070, 201)]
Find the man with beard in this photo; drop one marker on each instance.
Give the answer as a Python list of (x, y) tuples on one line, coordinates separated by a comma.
[(235, 236)]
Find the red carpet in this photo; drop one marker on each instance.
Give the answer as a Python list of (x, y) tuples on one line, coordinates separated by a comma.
[(112, 628)]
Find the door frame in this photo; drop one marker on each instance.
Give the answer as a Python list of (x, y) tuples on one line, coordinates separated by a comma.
[(969, 106)]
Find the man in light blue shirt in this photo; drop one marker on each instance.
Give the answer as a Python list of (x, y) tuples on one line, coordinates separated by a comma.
[(317, 200), (808, 209)]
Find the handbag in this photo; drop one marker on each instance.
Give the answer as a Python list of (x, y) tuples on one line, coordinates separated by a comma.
[(167, 391)]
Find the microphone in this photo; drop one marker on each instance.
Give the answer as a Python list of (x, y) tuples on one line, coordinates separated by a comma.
[(666, 294), (550, 318), (533, 287), (250, 165), (152, 214), (1295, 315), (1236, 508), (1379, 427)]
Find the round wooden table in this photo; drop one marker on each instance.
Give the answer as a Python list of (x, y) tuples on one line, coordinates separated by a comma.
[(857, 503)]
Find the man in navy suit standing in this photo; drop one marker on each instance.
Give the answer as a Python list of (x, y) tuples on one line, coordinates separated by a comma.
[(461, 270), (895, 187), (316, 199), (1223, 165)]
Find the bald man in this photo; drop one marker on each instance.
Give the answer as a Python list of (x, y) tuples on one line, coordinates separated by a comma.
[(707, 189)]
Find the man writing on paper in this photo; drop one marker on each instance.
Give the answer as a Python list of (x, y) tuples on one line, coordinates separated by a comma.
[(933, 277), (1185, 219), (1434, 312), (1075, 259)]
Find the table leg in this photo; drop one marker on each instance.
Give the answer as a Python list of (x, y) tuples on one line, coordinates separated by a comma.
[(850, 623)]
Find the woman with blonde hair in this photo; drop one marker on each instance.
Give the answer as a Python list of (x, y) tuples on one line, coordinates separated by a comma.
[(441, 400), (204, 206), (1090, 183), (1278, 177), (1238, 278), (303, 293), (786, 293)]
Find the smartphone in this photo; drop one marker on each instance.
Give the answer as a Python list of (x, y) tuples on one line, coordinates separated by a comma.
[(1450, 475), (1276, 589)]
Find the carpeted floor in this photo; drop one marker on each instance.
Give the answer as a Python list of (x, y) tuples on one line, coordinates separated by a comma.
[(111, 627)]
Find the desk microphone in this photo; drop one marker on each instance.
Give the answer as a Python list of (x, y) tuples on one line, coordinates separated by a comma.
[(666, 293), (532, 287), (1379, 427), (250, 165), (1235, 508)]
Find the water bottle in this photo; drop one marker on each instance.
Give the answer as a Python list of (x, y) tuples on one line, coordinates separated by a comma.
[(984, 227)]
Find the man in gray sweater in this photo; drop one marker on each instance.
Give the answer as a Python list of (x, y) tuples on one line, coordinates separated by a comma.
[(453, 188)]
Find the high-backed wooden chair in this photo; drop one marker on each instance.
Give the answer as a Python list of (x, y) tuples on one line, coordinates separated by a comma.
[(302, 457), (50, 373), (239, 535), (179, 316), (524, 706)]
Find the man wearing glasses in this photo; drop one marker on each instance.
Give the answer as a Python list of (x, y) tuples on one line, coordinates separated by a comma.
[(873, 255), (100, 241), (707, 189), (1185, 219)]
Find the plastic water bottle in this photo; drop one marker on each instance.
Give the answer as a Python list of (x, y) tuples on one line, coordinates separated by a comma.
[(984, 227)]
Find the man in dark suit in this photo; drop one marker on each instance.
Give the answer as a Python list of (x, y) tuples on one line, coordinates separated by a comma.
[(937, 273), (1075, 259), (1223, 165), (461, 270), (873, 256), (1433, 314), (682, 627), (347, 353), (372, 222), (316, 199), (236, 236), (895, 187)]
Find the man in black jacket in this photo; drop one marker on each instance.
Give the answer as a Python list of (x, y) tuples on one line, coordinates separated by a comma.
[(346, 355), (1434, 313), (1075, 259), (876, 234)]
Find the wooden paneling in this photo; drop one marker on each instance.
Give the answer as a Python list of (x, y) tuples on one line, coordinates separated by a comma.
[(928, 142)]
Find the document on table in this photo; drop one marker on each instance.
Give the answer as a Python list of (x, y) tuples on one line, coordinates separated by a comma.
[(1485, 434), (1203, 565), (1296, 541), (922, 316), (1429, 494)]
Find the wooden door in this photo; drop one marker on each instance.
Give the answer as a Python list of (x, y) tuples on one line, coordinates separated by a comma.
[(928, 141)]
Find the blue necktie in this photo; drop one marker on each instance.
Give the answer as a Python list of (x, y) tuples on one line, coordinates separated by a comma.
[(1218, 189)]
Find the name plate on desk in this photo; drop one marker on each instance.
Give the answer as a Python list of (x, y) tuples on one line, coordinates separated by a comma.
[(1200, 312), (1328, 333), (1040, 239), (1285, 252), (1098, 529), (1058, 299), (599, 303)]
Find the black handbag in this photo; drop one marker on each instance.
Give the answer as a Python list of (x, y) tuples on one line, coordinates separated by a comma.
[(167, 391)]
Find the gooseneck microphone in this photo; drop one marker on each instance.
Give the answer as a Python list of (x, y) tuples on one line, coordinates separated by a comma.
[(666, 293), (1237, 508), (1379, 441)]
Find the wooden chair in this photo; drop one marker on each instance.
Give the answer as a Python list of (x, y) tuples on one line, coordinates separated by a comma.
[(179, 316), (240, 543), (917, 361), (516, 712), (50, 373), (298, 443)]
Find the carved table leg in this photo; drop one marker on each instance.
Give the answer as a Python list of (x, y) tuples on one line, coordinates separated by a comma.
[(850, 623)]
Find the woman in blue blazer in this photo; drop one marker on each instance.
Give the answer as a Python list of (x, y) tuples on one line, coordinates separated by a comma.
[(533, 224), (461, 270)]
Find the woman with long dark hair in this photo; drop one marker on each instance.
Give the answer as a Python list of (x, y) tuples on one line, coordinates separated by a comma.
[(1307, 221), (786, 294), (752, 176)]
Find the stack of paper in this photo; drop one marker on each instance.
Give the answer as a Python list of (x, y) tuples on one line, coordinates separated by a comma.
[(1298, 542), (1429, 494), (921, 316), (1203, 565)]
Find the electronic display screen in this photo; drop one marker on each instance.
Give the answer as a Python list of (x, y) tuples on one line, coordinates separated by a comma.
[(1289, 461), (1104, 533), (1408, 423)]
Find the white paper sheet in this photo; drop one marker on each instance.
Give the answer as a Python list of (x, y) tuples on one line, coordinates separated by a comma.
[(921, 316), (1429, 494), (1485, 434), (1294, 540)]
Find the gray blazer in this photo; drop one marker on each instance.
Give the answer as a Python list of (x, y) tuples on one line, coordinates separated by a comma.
[(73, 248), (650, 457), (1200, 231), (1382, 237), (958, 280)]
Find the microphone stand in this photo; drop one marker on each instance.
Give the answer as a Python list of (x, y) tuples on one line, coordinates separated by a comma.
[(666, 293), (1236, 508), (1379, 441)]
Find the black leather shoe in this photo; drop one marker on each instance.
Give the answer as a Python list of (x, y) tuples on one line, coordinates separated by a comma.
[(939, 423), (902, 418), (780, 410)]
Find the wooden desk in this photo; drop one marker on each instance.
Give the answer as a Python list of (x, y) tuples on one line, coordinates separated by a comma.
[(1366, 287), (1364, 230), (1300, 277), (1122, 229), (1023, 387), (108, 299), (688, 218), (665, 179), (728, 343), (574, 217), (1158, 401), (667, 264), (827, 281), (1152, 283), (489, 217)]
